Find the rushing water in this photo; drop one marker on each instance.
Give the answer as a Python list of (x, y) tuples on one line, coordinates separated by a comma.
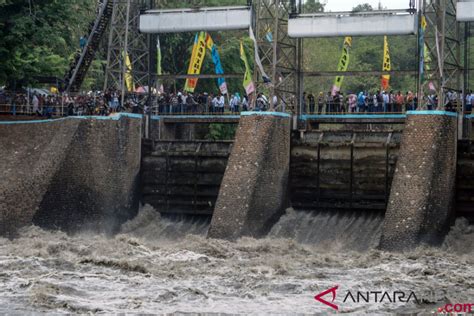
[(158, 265)]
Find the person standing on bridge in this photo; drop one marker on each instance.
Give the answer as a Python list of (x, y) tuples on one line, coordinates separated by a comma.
[(386, 101), (312, 103), (36, 110), (469, 101), (237, 101), (245, 103), (399, 102), (221, 103), (361, 102), (328, 102), (320, 102), (83, 42), (352, 103), (391, 101)]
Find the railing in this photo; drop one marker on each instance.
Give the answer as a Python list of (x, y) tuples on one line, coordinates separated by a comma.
[(89, 105)]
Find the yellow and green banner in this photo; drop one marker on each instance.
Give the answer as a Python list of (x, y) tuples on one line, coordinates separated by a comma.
[(422, 46), (197, 58), (387, 65), (128, 73), (248, 84), (159, 70), (343, 64)]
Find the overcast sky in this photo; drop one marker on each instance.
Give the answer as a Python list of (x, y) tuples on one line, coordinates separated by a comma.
[(347, 5)]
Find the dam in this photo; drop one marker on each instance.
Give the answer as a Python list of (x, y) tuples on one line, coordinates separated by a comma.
[(80, 172), (263, 220)]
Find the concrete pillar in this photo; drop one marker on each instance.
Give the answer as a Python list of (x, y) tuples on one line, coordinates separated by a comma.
[(422, 193), (253, 193)]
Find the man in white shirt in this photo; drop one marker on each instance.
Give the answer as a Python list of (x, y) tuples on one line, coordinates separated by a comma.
[(36, 105), (221, 103), (386, 101)]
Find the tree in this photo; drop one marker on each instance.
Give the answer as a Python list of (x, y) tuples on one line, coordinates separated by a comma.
[(362, 8), (311, 6), (38, 36)]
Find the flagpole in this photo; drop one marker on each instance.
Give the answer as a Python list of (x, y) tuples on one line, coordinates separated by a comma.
[(420, 47)]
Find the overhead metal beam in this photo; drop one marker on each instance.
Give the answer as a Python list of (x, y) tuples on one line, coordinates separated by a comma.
[(395, 22), (201, 76), (192, 20), (465, 11), (357, 73)]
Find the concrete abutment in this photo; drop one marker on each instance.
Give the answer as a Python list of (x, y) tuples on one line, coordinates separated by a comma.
[(70, 172), (253, 193), (422, 192)]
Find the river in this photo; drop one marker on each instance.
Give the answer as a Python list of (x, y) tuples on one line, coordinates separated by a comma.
[(160, 265)]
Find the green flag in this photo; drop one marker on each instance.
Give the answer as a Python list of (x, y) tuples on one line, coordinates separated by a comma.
[(248, 82)]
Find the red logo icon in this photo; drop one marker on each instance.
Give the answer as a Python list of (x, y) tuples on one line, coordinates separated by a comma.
[(320, 298)]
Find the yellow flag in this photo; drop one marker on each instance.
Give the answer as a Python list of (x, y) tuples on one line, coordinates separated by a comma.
[(128, 73), (248, 82), (343, 64), (197, 58), (387, 65)]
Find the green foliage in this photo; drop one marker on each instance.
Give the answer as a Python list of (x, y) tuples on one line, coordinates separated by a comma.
[(362, 8), (366, 54), (221, 132), (312, 6), (37, 37)]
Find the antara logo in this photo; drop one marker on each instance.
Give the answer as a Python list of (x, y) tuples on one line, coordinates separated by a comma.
[(366, 297), (319, 297)]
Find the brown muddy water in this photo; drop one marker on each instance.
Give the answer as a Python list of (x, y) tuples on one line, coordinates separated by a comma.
[(157, 265)]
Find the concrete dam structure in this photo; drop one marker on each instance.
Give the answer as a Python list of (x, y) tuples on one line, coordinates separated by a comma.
[(91, 172), (69, 173)]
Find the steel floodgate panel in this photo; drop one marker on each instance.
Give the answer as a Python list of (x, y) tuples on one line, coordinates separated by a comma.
[(189, 20), (465, 11), (352, 24)]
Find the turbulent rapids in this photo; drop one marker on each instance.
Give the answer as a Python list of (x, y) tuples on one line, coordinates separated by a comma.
[(161, 265)]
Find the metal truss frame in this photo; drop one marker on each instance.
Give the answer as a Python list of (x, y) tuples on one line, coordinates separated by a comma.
[(443, 41), (279, 54), (125, 38)]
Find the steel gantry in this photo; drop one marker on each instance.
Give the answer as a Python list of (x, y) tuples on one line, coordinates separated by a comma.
[(278, 52), (126, 42), (443, 42)]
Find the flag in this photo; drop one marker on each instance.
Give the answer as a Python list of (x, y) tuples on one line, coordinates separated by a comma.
[(343, 64), (426, 53), (258, 61), (248, 82), (158, 57), (217, 64), (128, 73), (268, 34), (387, 65), (421, 45), (197, 58), (159, 71)]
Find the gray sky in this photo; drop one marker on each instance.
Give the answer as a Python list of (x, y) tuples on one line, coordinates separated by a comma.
[(347, 5)]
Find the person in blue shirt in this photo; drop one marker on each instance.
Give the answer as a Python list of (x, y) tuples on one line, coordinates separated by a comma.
[(83, 42)]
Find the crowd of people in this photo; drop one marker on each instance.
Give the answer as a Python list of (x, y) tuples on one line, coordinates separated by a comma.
[(380, 101), (111, 101)]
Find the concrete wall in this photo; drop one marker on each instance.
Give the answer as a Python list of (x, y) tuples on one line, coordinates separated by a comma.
[(421, 198), (69, 172), (253, 192)]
